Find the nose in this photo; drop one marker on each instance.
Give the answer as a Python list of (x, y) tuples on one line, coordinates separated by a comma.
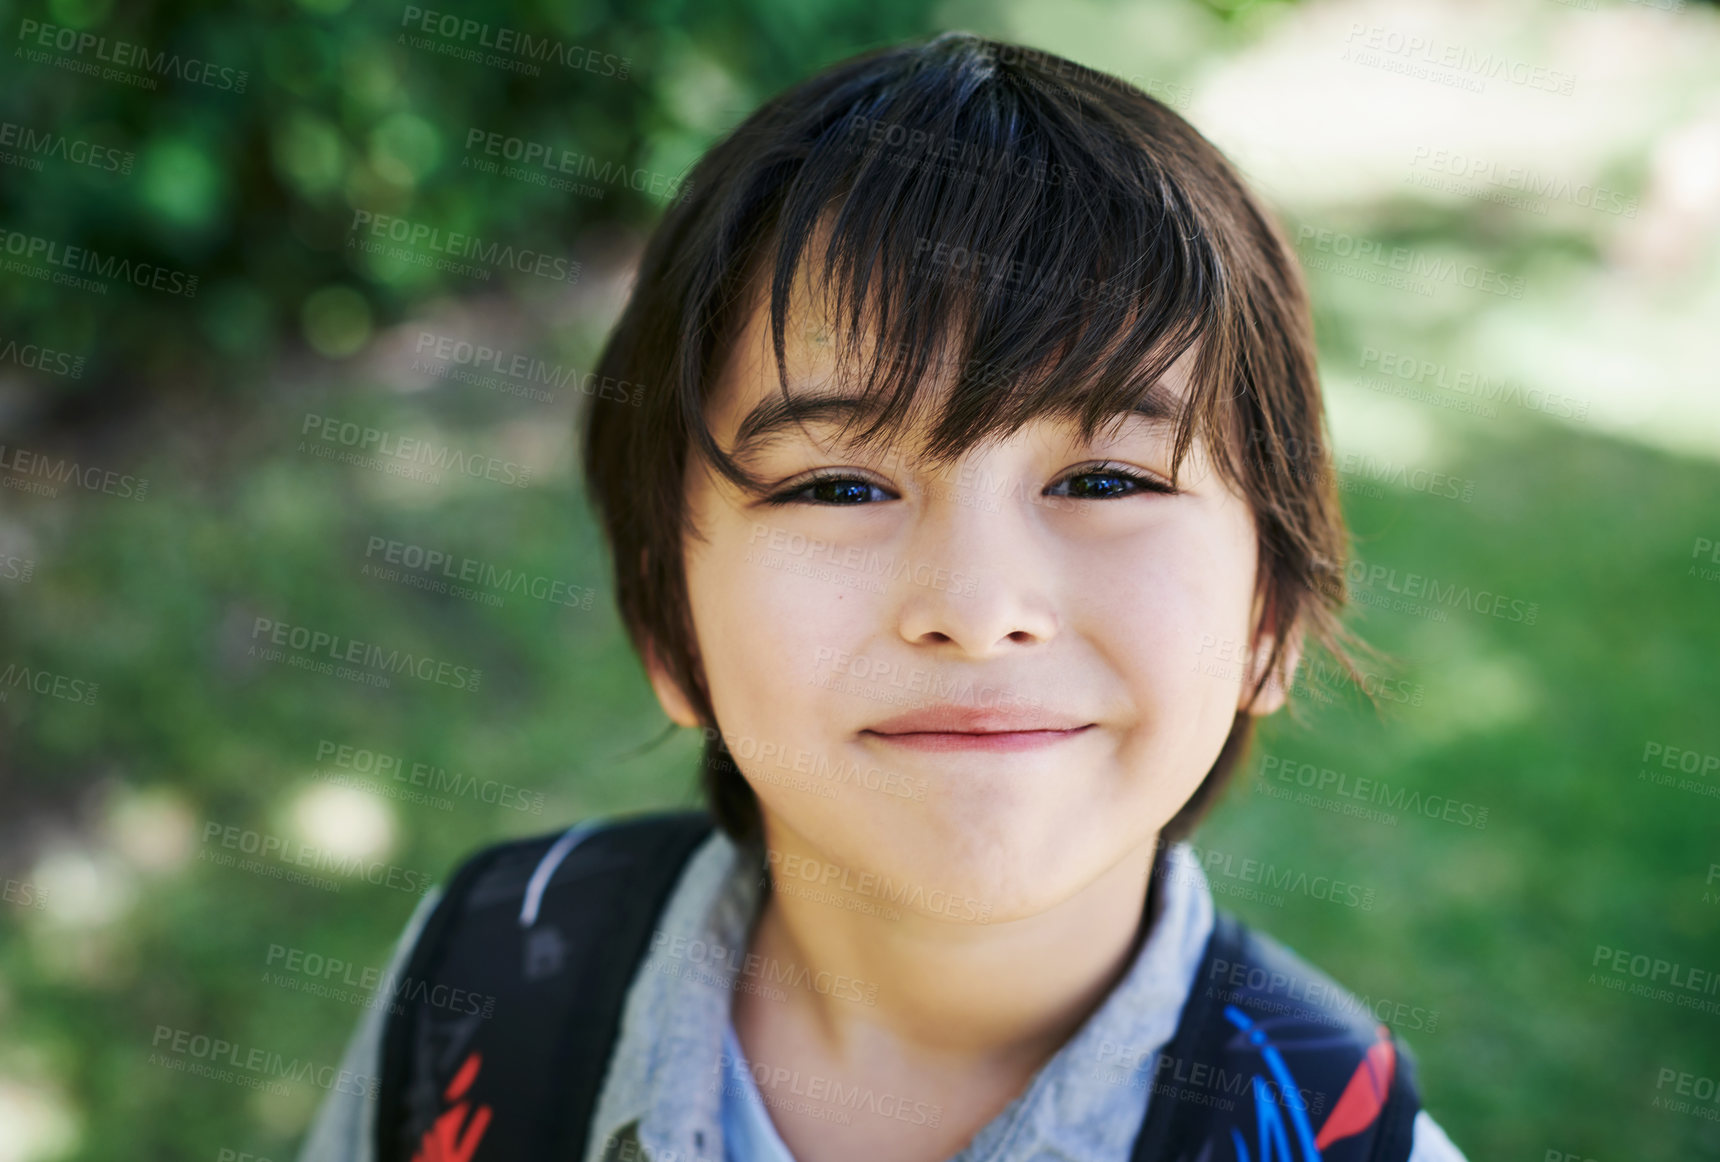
[(982, 574)]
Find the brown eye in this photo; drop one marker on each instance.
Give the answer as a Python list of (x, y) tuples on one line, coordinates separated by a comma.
[(1111, 481), (831, 490)]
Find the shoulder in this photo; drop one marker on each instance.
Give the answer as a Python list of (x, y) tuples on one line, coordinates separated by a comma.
[(343, 1128), (1431, 1144), (1314, 1036), (523, 965)]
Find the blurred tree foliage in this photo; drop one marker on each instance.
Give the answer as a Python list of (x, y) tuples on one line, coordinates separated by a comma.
[(250, 178)]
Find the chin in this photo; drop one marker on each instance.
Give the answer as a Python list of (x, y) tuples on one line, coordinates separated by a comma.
[(1007, 867)]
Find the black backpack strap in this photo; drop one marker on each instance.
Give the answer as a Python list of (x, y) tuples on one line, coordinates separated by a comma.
[(1272, 1061), (512, 997)]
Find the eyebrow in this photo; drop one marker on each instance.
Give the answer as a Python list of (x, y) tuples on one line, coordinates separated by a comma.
[(772, 417)]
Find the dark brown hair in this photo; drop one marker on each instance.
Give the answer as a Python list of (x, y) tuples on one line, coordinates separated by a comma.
[(1062, 235)]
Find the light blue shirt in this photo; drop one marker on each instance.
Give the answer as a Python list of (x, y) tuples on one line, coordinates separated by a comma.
[(748, 1133)]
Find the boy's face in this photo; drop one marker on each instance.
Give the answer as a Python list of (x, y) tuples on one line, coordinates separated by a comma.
[(1013, 582)]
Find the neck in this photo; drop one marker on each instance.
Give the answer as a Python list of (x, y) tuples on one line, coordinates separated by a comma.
[(947, 990)]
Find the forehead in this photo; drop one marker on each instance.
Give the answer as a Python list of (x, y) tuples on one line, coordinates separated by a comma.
[(824, 368)]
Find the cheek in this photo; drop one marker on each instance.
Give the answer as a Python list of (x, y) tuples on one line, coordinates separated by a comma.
[(781, 637), (1169, 614), (770, 624), (1164, 602)]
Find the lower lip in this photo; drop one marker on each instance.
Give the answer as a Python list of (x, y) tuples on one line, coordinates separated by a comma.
[(1006, 740)]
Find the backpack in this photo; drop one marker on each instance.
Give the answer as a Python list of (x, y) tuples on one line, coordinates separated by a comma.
[(1271, 1061)]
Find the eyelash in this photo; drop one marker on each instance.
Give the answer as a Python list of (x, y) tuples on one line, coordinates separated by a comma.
[(1141, 484)]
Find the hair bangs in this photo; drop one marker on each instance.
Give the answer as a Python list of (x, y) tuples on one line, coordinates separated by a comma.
[(961, 222)]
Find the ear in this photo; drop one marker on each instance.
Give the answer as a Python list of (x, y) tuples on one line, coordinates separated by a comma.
[(1273, 695), (669, 694)]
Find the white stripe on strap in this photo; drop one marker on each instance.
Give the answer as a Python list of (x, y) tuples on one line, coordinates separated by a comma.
[(547, 865)]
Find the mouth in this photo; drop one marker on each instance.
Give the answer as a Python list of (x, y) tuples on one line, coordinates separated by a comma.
[(989, 740)]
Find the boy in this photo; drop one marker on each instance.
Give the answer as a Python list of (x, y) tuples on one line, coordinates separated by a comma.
[(956, 514)]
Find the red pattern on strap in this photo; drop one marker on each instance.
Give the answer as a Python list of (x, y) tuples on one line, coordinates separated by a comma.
[(1365, 1095), (450, 1139)]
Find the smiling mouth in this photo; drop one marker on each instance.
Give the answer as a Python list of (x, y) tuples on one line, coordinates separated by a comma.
[(992, 740)]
